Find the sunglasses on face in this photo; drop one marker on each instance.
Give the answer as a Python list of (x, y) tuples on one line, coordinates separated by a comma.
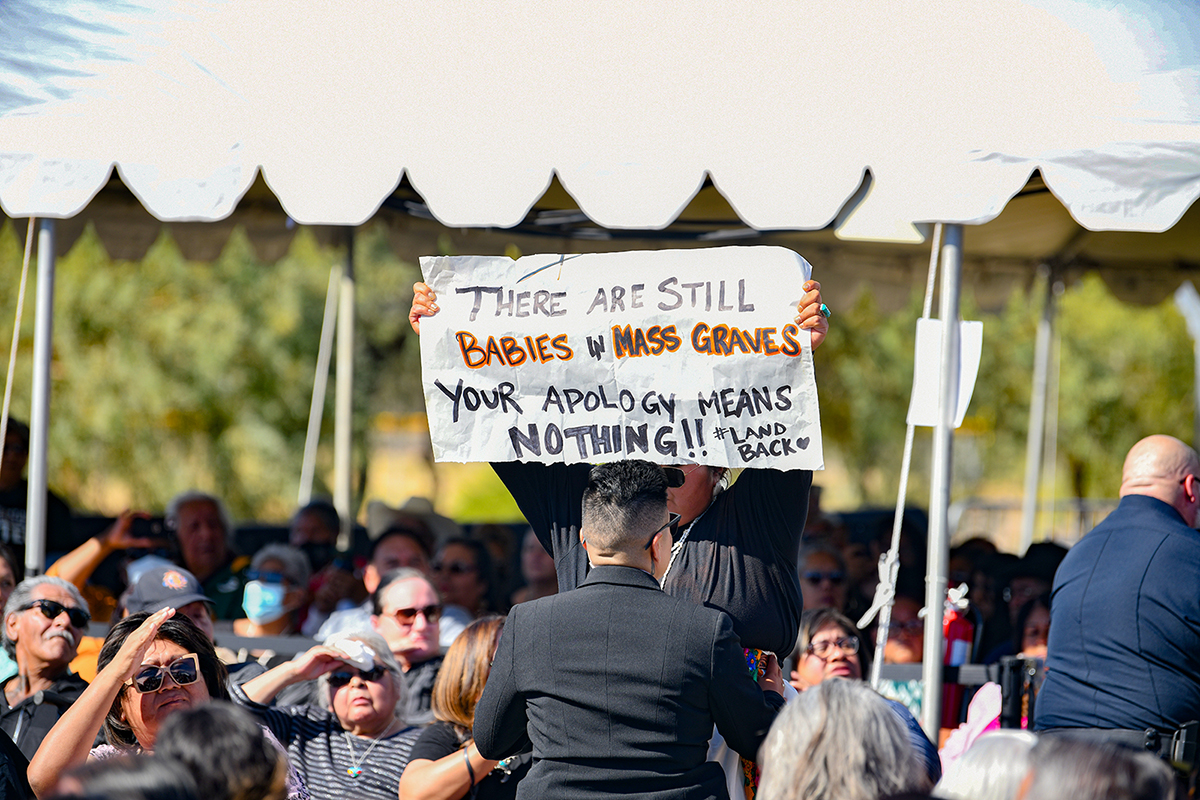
[(454, 567), (815, 577), (341, 678), (674, 518), (184, 670), (406, 616), (677, 475), (50, 610)]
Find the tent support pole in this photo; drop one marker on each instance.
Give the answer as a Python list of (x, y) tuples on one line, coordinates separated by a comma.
[(1037, 411), (320, 381), (939, 494), (343, 399), (39, 411)]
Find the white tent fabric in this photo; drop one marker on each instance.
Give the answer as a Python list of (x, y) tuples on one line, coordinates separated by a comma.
[(786, 104)]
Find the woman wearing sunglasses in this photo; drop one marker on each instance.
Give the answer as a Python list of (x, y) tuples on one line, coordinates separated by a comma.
[(150, 666), (356, 744)]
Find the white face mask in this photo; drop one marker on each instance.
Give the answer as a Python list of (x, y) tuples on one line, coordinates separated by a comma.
[(264, 602)]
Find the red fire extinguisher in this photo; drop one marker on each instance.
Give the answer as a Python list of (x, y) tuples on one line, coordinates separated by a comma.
[(958, 634)]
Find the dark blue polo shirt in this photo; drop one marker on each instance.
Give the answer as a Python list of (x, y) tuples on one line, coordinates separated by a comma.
[(1124, 649)]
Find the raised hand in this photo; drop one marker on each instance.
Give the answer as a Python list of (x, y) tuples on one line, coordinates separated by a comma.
[(809, 316), (423, 305)]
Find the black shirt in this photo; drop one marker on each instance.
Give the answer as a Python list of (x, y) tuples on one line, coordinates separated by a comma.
[(1124, 649), (440, 740), (30, 720), (13, 503), (739, 557)]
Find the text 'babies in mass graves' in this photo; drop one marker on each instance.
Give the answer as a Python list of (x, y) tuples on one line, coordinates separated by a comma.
[(623, 340)]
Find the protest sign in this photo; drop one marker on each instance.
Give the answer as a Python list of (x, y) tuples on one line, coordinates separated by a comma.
[(670, 356)]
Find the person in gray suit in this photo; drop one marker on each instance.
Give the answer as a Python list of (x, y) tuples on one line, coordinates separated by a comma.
[(617, 683)]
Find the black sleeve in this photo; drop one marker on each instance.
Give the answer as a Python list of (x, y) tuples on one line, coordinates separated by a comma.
[(551, 498), (773, 504), (437, 741), (14, 785), (60, 533), (742, 711), (501, 717)]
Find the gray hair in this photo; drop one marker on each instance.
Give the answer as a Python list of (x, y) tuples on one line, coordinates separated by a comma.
[(838, 741), (383, 657), (295, 564), (196, 496), (23, 594), (991, 769), (812, 548), (1061, 766)]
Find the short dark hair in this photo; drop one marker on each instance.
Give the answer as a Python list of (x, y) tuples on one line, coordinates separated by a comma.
[(226, 752), (19, 429), (622, 504), (135, 778), (410, 528), (325, 512), (183, 632)]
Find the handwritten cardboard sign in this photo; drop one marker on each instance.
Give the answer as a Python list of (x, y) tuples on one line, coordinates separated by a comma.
[(670, 356)]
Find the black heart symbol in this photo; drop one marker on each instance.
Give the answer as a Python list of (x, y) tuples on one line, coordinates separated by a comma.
[(802, 443)]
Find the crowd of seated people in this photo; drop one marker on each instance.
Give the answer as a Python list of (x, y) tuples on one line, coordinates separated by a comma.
[(1008, 596), (345, 717)]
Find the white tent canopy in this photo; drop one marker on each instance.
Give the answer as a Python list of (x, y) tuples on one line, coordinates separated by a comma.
[(951, 106), (785, 104)]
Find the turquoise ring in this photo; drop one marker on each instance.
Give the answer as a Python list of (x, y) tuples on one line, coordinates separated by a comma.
[(824, 311)]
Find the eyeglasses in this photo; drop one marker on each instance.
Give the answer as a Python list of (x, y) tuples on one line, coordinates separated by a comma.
[(910, 627), (339, 679), (816, 576), (406, 616), (267, 577), (454, 567), (847, 644), (1024, 593), (671, 520), (184, 670), (676, 476), (50, 610)]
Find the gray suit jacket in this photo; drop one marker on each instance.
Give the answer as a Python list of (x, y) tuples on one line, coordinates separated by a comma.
[(618, 685)]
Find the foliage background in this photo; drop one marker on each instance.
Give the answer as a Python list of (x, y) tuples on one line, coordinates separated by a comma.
[(169, 375)]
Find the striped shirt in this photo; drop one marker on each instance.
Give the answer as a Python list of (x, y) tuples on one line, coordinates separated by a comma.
[(320, 750)]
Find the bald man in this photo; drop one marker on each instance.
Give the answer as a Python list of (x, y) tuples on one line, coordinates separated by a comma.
[(1124, 649)]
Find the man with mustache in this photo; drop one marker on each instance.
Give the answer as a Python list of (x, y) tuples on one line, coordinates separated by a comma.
[(44, 620)]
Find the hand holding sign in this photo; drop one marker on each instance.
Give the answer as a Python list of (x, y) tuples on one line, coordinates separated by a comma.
[(666, 355)]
